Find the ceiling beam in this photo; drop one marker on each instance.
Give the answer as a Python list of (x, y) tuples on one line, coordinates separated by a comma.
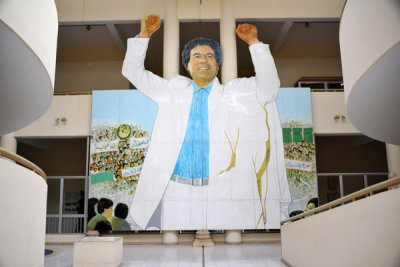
[(118, 40), (282, 34)]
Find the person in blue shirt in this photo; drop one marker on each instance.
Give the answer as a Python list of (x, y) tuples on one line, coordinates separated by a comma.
[(207, 154)]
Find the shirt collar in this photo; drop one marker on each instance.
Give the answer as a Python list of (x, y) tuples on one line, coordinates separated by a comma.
[(206, 88)]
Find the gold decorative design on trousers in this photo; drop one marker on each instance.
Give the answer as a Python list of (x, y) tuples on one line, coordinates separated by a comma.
[(260, 172), (232, 163)]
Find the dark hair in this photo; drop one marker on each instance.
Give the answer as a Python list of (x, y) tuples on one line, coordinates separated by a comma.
[(104, 203), (295, 212), (91, 203), (121, 211), (313, 200), (103, 226), (201, 41)]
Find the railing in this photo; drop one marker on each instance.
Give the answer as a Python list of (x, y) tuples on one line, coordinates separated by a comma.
[(342, 175), (65, 221), (66, 93), (22, 161), (369, 191), (316, 90), (65, 224)]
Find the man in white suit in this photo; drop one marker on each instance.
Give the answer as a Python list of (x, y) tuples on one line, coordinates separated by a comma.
[(215, 160)]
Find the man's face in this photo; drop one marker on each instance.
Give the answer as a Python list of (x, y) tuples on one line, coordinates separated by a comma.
[(108, 212), (202, 65)]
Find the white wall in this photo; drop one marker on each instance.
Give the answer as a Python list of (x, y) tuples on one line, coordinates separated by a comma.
[(118, 10), (77, 111), (28, 34), (370, 51), (362, 233), (37, 28), (325, 106), (22, 229)]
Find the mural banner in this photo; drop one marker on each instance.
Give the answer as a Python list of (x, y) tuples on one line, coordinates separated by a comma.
[(260, 174), (295, 111), (122, 122)]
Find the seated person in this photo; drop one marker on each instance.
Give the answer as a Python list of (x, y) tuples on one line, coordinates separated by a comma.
[(312, 204), (118, 221), (105, 209), (295, 212), (92, 207), (103, 227)]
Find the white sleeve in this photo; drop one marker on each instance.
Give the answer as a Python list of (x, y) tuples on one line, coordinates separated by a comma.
[(265, 84), (133, 69)]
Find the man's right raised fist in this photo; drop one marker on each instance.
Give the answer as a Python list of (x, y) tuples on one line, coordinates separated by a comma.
[(149, 25)]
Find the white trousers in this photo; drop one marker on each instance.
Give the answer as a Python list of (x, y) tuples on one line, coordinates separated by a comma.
[(184, 207)]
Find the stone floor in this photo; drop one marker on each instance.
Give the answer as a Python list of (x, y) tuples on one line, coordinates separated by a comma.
[(248, 255)]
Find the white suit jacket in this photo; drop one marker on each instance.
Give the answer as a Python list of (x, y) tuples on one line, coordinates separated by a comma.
[(235, 112)]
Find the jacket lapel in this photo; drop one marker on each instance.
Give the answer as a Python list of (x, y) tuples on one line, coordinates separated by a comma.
[(214, 99), (182, 109), (184, 102)]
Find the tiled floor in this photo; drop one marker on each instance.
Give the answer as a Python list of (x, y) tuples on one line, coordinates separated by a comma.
[(249, 255)]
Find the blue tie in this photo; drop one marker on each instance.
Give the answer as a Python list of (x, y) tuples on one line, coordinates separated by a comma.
[(193, 160)]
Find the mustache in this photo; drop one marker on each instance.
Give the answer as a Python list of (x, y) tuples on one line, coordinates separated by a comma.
[(205, 65)]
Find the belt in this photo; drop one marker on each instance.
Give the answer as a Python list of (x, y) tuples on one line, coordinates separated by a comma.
[(190, 181)]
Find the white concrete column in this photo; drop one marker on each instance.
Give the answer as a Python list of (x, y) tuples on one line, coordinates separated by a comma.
[(9, 142), (171, 40), (228, 42), (228, 70), (170, 68), (170, 237), (233, 237), (393, 159)]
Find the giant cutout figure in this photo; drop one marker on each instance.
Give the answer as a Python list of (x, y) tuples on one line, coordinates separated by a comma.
[(215, 160)]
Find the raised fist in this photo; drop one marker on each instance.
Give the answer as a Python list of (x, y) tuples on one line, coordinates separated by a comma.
[(149, 25), (248, 33)]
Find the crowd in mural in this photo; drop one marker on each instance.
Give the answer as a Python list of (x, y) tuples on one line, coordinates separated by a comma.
[(116, 162), (299, 149), (302, 151), (119, 152)]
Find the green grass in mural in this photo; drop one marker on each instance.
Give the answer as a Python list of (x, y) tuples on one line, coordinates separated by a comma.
[(101, 177)]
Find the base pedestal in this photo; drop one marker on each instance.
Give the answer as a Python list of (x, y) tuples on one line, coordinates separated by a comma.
[(170, 237), (233, 237), (203, 239)]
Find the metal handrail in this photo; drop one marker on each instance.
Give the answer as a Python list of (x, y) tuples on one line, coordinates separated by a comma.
[(72, 215), (350, 173), (67, 177), (22, 161), (369, 191), (67, 93)]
